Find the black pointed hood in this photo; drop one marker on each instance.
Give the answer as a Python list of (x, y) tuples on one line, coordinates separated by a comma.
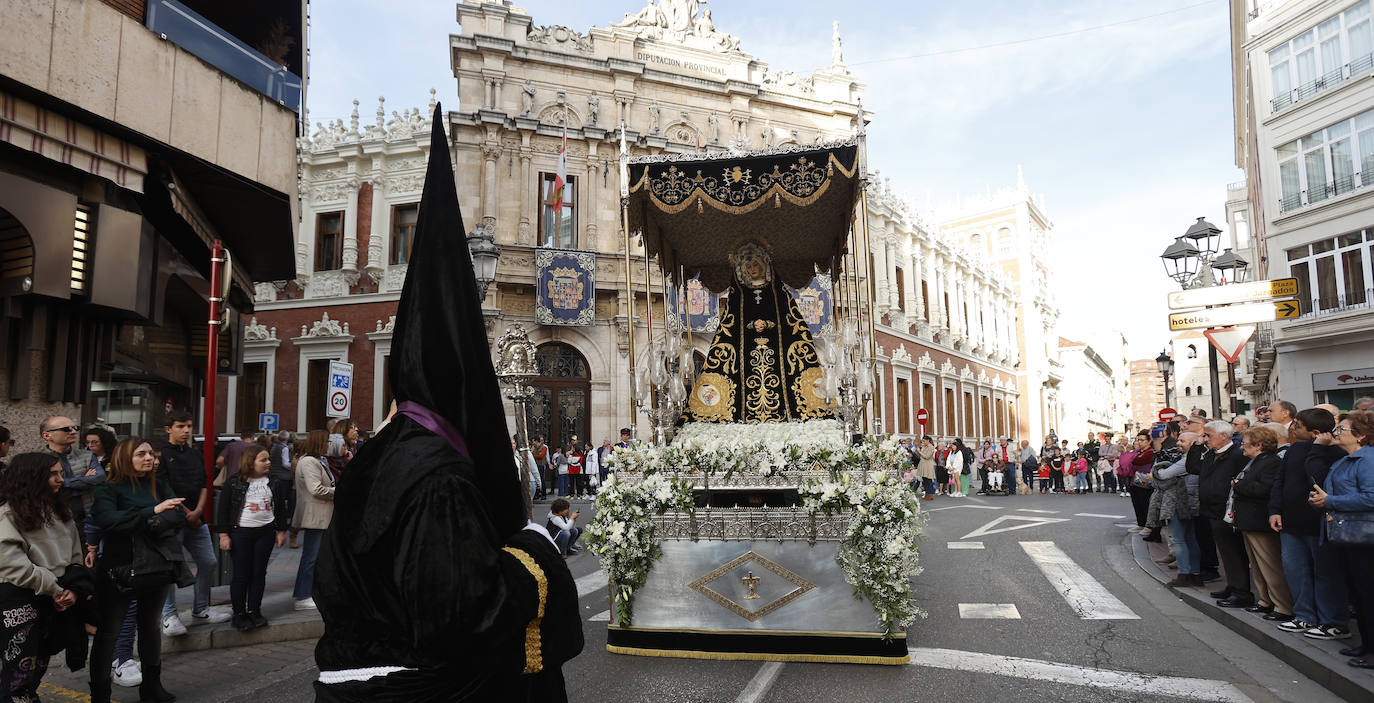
[(440, 357)]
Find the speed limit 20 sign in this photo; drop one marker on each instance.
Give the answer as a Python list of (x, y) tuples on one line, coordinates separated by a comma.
[(339, 397)]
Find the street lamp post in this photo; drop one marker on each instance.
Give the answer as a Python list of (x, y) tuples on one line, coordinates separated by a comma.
[(485, 253), (1191, 261), (1166, 367), (1233, 265)]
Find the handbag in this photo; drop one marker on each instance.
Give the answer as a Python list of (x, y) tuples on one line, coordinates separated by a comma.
[(1350, 528)]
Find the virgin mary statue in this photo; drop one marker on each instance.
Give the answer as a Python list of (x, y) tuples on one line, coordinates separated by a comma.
[(762, 365)]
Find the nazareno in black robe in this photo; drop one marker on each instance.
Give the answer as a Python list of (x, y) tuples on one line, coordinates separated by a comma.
[(421, 581), (425, 571)]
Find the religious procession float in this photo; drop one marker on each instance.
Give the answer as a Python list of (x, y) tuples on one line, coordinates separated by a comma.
[(757, 521)]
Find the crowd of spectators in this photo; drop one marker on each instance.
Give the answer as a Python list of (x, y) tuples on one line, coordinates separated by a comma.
[(98, 533)]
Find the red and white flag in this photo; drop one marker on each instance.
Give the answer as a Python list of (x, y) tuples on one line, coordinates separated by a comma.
[(561, 180)]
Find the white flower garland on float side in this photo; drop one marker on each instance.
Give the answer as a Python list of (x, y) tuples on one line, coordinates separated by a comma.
[(879, 554), (621, 534)]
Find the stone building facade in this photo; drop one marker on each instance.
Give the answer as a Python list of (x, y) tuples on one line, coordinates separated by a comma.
[(678, 84)]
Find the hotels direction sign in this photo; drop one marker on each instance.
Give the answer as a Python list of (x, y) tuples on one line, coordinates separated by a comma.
[(1234, 315), (1234, 293)]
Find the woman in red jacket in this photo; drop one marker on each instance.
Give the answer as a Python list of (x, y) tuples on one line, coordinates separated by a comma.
[(576, 477)]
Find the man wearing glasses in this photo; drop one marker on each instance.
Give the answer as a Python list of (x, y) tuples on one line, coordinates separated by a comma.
[(80, 469)]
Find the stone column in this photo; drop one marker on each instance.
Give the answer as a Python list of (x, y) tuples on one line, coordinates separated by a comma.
[(590, 202), (918, 259), (350, 241), (526, 234), (491, 151), (378, 244)]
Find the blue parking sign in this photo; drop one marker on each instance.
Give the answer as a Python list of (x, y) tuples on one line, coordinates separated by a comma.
[(268, 422)]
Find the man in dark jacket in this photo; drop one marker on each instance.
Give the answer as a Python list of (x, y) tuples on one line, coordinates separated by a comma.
[(1311, 567), (1202, 525), (184, 465), (1215, 470)]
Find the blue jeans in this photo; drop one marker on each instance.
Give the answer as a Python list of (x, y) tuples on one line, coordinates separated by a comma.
[(1108, 482), (124, 644), (1316, 578), (928, 485), (563, 485), (1183, 538), (305, 572), (197, 542), (567, 539)]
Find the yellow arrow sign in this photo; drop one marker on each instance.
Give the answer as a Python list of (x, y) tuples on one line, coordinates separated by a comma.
[(1233, 293), (1234, 315)]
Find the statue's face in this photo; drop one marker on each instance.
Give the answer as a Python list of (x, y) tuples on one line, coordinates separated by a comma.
[(754, 267)]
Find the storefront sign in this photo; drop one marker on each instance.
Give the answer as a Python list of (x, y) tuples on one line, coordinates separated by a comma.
[(1337, 380)]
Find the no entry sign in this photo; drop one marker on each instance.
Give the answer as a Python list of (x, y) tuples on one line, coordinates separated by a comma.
[(1167, 414), (339, 397), (922, 416)]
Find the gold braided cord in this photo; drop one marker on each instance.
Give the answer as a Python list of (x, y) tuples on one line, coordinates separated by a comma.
[(534, 658), (758, 656)]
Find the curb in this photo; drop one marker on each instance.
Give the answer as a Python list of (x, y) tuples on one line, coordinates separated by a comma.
[(223, 635), (1316, 659)]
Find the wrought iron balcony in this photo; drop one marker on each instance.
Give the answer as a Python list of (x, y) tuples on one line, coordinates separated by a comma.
[(1357, 67)]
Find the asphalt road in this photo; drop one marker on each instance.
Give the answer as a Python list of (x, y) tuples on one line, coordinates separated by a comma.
[(1089, 625)]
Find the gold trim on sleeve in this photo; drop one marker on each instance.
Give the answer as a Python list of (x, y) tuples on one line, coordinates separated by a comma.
[(534, 659)]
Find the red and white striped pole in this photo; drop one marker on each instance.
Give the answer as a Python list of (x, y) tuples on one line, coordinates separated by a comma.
[(217, 276)]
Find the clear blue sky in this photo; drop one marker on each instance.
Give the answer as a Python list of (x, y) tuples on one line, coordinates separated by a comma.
[(1126, 129)]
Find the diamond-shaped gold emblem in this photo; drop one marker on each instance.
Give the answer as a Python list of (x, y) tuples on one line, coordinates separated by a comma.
[(764, 592)]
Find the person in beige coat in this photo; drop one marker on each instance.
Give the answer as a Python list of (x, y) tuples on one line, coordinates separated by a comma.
[(314, 508), (925, 469), (38, 541)]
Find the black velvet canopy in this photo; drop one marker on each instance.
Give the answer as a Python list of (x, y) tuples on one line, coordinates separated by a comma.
[(693, 209)]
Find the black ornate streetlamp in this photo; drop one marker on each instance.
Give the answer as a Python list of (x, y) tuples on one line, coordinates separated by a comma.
[(485, 253), (1166, 367)]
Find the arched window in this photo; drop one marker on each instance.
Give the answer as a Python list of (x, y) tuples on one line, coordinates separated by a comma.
[(1199, 391), (561, 408), (976, 242), (1187, 391), (1006, 242), (1192, 351)]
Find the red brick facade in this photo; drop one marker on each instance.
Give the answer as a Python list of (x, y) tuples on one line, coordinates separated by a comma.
[(1001, 414)]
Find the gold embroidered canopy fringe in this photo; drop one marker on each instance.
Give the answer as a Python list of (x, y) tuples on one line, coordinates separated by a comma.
[(692, 208)]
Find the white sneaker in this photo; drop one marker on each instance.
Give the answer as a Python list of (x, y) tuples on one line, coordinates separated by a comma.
[(213, 615), (305, 604), (172, 626), (128, 674), (1136, 528)]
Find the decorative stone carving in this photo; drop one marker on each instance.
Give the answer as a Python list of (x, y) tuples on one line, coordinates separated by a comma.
[(789, 82), (983, 376), (394, 279), (527, 93), (622, 335), (683, 21), (388, 328), (332, 192), (713, 125), (411, 183), (654, 113), (330, 284), (948, 368), (682, 132), (325, 327), (560, 37), (900, 354), (966, 373), (555, 113), (593, 109), (267, 292), (925, 361), (254, 332)]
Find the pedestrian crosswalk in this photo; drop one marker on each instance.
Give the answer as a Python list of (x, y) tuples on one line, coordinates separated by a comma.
[(1083, 593)]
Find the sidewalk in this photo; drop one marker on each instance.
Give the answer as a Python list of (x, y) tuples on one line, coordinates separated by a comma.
[(1318, 660), (286, 623)]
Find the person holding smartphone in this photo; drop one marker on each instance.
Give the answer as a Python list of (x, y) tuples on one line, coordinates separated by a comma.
[(561, 526)]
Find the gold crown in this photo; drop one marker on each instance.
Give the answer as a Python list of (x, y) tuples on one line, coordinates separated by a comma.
[(563, 271)]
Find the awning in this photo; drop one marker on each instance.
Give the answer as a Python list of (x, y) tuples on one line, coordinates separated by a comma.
[(67, 141), (695, 209)]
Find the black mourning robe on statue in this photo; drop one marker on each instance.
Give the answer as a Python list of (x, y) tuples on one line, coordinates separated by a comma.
[(762, 365), (431, 584)]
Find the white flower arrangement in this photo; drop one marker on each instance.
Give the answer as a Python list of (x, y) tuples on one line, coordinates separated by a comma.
[(879, 554), (762, 449), (621, 534)]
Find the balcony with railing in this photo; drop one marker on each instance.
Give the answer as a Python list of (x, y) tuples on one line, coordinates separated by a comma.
[(1358, 299), (1338, 186), (1358, 67)]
